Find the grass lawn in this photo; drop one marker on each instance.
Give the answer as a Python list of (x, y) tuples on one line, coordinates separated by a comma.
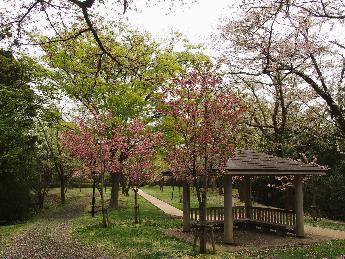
[(124, 239), (213, 197)]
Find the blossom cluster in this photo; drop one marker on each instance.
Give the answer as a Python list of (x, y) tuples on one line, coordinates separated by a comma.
[(205, 116)]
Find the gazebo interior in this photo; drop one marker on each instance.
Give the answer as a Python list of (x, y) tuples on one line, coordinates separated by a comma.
[(249, 164)]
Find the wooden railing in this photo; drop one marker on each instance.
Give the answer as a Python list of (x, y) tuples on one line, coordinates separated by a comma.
[(216, 214), (238, 212), (273, 216), (256, 214)]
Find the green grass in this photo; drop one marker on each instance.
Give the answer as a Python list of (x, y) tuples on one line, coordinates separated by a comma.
[(331, 249), (128, 240), (214, 199), (326, 223)]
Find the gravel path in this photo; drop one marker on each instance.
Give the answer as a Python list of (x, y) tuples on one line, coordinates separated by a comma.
[(165, 207), (50, 237)]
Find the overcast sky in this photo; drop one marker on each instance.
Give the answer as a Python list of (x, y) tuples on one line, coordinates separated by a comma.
[(195, 20)]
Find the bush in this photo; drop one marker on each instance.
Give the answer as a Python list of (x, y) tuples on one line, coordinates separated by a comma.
[(15, 199)]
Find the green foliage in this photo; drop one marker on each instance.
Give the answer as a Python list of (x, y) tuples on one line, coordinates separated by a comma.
[(126, 85), (101, 83), (18, 105)]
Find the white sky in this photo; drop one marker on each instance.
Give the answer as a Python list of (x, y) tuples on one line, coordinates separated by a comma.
[(197, 21)]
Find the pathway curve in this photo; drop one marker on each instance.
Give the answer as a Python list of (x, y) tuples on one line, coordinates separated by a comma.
[(50, 237), (165, 207)]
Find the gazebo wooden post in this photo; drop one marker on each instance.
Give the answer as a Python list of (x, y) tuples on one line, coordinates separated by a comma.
[(228, 217), (248, 200), (186, 206), (299, 206)]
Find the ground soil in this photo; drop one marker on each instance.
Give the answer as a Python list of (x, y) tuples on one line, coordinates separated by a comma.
[(252, 239), (50, 237)]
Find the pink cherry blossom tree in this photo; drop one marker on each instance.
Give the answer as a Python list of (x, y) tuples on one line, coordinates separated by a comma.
[(203, 115), (126, 149), (139, 166), (88, 144)]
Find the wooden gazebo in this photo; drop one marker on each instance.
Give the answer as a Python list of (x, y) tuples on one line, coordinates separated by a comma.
[(249, 164)]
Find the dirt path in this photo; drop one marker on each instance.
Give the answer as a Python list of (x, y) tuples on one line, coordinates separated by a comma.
[(165, 207), (325, 232), (50, 237)]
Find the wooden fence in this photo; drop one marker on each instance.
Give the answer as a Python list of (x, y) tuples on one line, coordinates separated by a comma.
[(268, 216)]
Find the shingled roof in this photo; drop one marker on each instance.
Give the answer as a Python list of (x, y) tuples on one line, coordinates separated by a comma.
[(246, 162)]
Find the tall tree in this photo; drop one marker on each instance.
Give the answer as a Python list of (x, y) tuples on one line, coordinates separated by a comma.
[(50, 127), (139, 166), (203, 117), (88, 143), (18, 106)]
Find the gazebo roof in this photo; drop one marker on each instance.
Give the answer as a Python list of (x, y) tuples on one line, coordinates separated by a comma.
[(246, 162)]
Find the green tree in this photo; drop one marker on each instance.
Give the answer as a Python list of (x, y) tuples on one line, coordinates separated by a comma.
[(50, 126), (18, 106), (126, 88)]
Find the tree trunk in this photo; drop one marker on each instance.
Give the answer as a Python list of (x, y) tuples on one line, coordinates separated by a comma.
[(161, 184), (125, 190), (40, 200), (136, 206), (104, 210), (214, 184), (93, 198), (202, 237), (186, 206), (62, 189), (115, 187)]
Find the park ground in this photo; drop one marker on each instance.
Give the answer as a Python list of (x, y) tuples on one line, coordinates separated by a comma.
[(69, 231)]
